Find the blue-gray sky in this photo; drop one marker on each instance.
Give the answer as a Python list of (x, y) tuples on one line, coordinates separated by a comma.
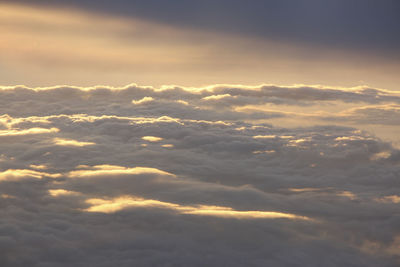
[(357, 24)]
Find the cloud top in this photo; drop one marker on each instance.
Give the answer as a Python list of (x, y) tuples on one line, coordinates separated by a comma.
[(90, 178)]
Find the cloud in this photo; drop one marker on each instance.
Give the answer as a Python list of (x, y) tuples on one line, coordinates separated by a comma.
[(152, 138), (109, 206), (380, 114), (208, 103), (198, 182), (145, 99), (69, 142), (389, 199), (15, 175), (107, 170), (27, 131)]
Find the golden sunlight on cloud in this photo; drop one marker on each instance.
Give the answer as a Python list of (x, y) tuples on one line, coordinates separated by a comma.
[(7, 196), (272, 136), (39, 167), (13, 132), (120, 203), (351, 138), (229, 212), (325, 192), (18, 174), (101, 170), (389, 199), (347, 194), (70, 142), (216, 97), (264, 136), (306, 189), (62, 192), (145, 99), (183, 102), (381, 155), (152, 138), (168, 145)]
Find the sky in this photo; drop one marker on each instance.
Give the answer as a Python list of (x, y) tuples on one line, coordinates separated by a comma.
[(199, 43), (199, 133)]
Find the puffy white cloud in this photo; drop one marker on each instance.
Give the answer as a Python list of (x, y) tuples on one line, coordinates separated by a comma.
[(188, 180)]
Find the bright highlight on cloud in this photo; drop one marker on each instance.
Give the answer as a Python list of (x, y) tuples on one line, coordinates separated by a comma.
[(69, 142), (62, 192), (109, 206), (390, 199), (107, 170), (168, 145), (152, 138), (145, 99), (15, 175), (31, 131)]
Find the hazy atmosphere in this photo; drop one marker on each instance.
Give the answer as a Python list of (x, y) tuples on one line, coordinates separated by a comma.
[(199, 133)]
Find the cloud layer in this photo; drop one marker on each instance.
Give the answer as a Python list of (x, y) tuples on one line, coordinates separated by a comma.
[(138, 176)]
